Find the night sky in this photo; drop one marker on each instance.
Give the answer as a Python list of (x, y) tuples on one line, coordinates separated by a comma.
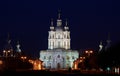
[(28, 22)]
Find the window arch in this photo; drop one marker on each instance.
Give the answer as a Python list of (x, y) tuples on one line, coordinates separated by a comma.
[(58, 56)]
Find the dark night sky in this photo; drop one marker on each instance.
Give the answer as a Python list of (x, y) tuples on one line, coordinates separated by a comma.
[(28, 21)]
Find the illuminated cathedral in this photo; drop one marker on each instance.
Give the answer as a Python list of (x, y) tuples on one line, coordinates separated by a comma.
[(59, 54)]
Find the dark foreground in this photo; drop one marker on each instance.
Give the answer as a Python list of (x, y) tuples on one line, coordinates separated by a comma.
[(51, 73)]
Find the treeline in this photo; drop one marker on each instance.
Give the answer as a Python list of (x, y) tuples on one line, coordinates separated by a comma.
[(109, 57)]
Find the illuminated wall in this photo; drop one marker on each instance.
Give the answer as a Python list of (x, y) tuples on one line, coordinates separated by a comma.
[(58, 58), (59, 55), (59, 37)]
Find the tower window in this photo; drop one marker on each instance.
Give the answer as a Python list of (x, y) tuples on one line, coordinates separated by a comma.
[(67, 36), (44, 57), (73, 57), (58, 56), (53, 36), (49, 57)]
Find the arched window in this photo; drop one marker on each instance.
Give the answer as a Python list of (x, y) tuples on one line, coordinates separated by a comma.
[(63, 59), (49, 57), (64, 44), (59, 44), (44, 57), (53, 36), (53, 44), (58, 56), (65, 35), (58, 36)]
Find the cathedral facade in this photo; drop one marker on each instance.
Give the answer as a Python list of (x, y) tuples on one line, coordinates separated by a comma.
[(59, 54)]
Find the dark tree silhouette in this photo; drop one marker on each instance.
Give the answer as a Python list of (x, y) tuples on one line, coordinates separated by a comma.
[(109, 57)]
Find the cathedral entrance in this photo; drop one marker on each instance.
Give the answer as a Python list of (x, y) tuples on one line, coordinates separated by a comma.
[(58, 65)]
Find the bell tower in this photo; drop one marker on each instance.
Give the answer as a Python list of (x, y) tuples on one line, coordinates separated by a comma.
[(59, 37)]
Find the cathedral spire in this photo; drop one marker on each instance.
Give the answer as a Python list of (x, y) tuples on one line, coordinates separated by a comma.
[(59, 21), (51, 21), (8, 50), (59, 14), (8, 39), (66, 25), (51, 27), (8, 35), (108, 42), (17, 42)]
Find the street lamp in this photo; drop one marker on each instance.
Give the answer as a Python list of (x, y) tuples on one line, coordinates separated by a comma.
[(6, 53), (1, 62), (88, 52), (23, 58), (81, 59)]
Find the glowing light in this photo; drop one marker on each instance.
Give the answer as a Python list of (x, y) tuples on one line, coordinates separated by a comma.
[(31, 61), (9, 51), (117, 70), (81, 60), (108, 68), (91, 51), (82, 57), (37, 65), (86, 51), (4, 51), (23, 57), (1, 62), (75, 65)]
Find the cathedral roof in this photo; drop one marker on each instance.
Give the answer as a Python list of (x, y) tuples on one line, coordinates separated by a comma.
[(59, 26)]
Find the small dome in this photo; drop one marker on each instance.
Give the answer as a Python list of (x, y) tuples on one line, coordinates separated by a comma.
[(51, 28)]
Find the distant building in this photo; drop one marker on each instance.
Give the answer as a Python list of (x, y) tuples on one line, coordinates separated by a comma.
[(105, 47), (8, 49), (37, 65), (59, 55)]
